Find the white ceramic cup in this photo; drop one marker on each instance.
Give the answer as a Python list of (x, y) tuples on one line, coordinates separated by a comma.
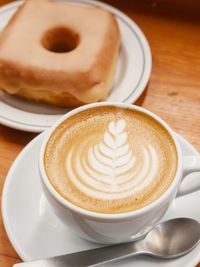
[(122, 227)]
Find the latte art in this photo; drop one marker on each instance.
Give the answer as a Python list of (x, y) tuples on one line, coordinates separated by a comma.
[(106, 171), (110, 160)]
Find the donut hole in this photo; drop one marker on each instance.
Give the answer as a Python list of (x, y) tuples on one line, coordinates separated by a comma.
[(60, 40)]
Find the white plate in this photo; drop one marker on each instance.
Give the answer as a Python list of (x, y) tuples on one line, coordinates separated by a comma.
[(35, 232), (132, 74)]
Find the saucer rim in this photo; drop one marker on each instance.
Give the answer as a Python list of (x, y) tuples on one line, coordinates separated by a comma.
[(8, 181)]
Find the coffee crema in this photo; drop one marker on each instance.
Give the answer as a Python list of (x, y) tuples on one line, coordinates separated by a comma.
[(110, 160)]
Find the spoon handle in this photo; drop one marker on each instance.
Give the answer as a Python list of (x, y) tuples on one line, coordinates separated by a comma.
[(89, 257)]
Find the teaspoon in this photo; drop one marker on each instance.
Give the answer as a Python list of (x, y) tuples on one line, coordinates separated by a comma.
[(166, 240)]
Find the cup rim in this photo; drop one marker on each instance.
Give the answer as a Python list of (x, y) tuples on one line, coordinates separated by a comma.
[(109, 216)]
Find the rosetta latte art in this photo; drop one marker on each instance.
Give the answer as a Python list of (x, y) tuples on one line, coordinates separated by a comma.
[(110, 170), (110, 160)]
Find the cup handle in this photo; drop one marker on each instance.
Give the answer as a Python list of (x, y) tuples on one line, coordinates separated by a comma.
[(190, 164)]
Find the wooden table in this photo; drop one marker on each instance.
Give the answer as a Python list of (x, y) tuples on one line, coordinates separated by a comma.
[(173, 92)]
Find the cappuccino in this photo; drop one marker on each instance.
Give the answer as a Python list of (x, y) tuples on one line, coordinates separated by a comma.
[(110, 160)]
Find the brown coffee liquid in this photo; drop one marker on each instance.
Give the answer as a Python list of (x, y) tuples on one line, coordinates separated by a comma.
[(110, 160)]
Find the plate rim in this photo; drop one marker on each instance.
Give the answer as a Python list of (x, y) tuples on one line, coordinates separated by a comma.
[(138, 88), (9, 178), (7, 182)]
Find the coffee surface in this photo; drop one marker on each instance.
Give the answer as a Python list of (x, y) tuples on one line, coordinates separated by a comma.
[(110, 160)]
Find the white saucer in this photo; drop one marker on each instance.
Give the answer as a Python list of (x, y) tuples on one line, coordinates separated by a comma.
[(35, 232), (132, 74)]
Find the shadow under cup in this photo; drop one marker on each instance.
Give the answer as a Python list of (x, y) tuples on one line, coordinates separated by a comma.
[(110, 228)]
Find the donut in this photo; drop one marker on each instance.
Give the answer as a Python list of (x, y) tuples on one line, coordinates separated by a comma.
[(59, 53)]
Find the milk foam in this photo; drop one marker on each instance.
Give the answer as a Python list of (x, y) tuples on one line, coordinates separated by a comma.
[(106, 171), (110, 160)]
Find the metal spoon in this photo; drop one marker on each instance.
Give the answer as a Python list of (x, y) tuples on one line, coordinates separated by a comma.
[(167, 240)]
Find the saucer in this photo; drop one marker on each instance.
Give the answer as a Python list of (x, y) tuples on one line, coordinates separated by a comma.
[(35, 232), (131, 76)]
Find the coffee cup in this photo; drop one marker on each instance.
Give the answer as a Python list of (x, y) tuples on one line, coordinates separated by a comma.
[(111, 170)]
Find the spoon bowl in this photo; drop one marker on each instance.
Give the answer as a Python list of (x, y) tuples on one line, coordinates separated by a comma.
[(173, 238)]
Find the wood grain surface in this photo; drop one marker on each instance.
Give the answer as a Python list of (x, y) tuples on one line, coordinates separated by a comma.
[(173, 31)]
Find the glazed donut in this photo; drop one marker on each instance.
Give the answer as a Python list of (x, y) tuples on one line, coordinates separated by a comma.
[(58, 53)]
